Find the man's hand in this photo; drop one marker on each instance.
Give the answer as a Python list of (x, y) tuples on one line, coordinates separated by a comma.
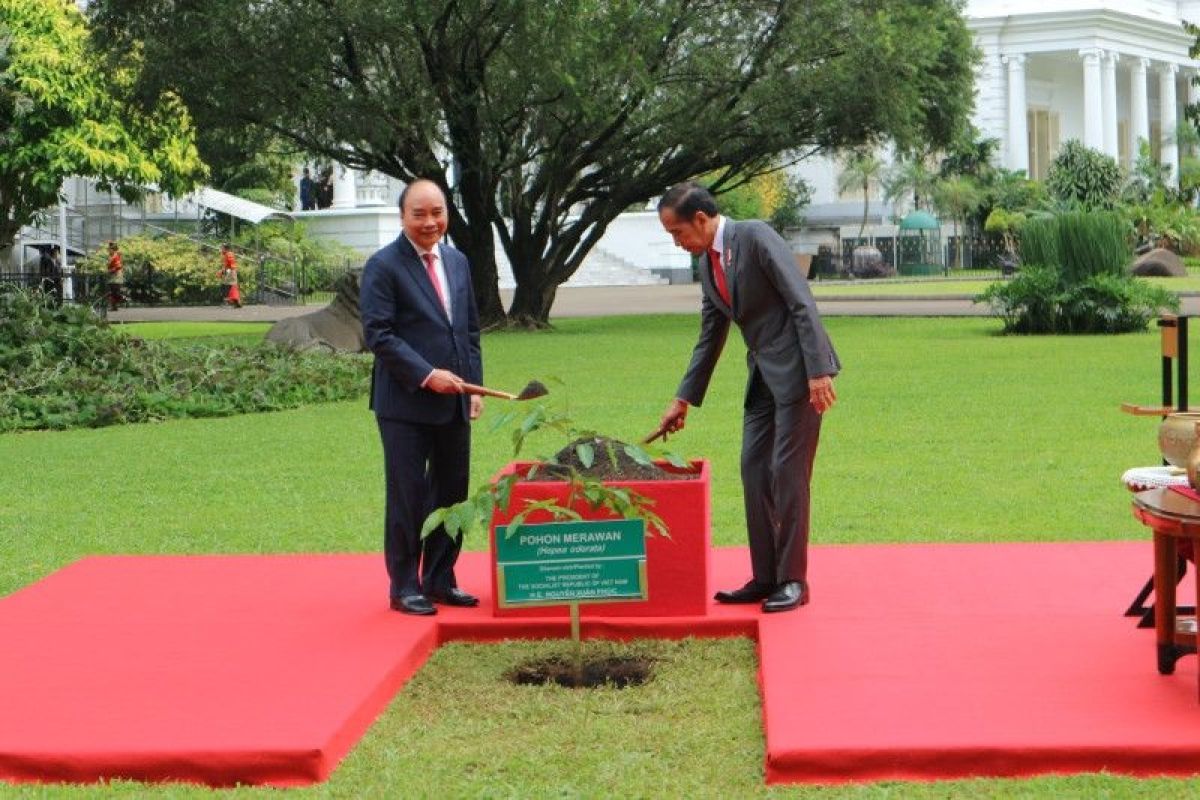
[(821, 394), (476, 406), (443, 381), (674, 417)]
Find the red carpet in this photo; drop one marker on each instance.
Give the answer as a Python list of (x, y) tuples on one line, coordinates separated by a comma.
[(921, 662)]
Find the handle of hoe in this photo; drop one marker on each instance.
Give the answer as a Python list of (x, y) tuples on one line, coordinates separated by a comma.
[(471, 388)]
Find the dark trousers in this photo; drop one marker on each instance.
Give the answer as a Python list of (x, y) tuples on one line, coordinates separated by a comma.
[(426, 467), (779, 443)]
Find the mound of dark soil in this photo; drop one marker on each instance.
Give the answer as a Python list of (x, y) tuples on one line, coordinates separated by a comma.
[(616, 671), (610, 463)]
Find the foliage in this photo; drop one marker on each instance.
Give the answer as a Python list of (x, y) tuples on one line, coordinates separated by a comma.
[(558, 116), (181, 270), (166, 269), (1078, 243), (583, 487), (1035, 301), (1075, 279), (910, 175), (1174, 226), (65, 368), (956, 197), (1085, 178), (281, 244), (862, 168), (795, 196), (249, 164), (1007, 225), (63, 113), (776, 196)]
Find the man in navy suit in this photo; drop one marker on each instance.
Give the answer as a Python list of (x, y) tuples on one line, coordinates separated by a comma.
[(750, 278), (419, 318)]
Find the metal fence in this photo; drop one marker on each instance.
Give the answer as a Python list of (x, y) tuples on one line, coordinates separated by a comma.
[(982, 256)]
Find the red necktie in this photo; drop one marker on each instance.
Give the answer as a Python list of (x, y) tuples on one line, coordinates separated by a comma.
[(433, 277), (714, 258)]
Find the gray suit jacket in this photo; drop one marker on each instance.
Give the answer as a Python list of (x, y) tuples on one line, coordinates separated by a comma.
[(775, 311)]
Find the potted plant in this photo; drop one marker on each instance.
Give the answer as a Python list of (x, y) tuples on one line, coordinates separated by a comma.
[(596, 477)]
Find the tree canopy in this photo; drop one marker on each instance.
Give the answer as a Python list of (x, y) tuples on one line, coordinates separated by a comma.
[(64, 111), (544, 121)]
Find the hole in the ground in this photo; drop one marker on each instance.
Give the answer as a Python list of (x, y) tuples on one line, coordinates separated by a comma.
[(615, 671)]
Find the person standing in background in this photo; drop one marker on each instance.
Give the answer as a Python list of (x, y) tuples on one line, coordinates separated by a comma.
[(116, 277), (229, 277)]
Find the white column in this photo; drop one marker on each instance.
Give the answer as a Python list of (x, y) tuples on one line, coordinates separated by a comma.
[(1109, 109), (345, 188), (1169, 119), (1093, 122), (1139, 112), (1018, 131)]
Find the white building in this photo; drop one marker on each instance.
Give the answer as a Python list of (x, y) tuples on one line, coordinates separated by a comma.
[(1105, 73)]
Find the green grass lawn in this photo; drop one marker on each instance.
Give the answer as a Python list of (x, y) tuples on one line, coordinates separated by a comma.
[(944, 432)]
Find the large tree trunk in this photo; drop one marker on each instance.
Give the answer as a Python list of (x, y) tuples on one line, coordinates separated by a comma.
[(472, 233), (480, 250), (532, 301)]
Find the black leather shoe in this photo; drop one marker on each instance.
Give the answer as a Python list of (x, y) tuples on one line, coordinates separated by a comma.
[(414, 604), (750, 593), (789, 595), (454, 597)]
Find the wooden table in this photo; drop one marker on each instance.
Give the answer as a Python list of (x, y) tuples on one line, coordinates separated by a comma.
[(1172, 517)]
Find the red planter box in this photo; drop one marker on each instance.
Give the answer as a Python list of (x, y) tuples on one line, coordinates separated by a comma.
[(676, 568)]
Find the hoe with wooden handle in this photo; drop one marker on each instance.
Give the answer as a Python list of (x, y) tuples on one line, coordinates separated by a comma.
[(532, 389)]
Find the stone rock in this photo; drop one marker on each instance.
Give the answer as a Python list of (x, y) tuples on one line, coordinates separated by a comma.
[(867, 262), (336, 328), (1159, 263)]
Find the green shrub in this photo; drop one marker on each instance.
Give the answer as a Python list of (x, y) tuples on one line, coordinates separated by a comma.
[(65, 368), (167, 269), (1037, 301), (1084, 178), (1075, 279), (1079, 243), (292, 255)]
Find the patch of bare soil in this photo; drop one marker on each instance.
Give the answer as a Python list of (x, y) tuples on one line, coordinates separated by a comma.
[(610, 462), (618, 672)]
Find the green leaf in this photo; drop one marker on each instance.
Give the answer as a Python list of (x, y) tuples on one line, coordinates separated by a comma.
[(675, 460), (639, 455), (436, 517), (586, 453)]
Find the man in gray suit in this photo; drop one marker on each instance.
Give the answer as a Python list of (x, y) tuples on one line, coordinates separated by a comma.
[(749, 276)]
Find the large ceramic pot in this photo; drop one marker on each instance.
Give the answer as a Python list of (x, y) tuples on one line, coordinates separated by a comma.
[(1177, 437)]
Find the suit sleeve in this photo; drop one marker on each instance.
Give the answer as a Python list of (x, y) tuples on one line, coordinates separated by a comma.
[(378, 298), (714, 329), (815, 347)]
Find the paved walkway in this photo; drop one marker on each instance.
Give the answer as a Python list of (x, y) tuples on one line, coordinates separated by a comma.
[(600, 301)]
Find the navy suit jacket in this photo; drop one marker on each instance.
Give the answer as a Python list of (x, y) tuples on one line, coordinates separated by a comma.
[(407, 329), (771, 304)]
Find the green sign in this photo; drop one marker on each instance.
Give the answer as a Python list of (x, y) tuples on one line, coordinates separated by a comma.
[(571, 562)]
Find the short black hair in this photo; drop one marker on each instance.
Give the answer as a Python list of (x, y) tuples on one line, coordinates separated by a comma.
[(686, 198), (414, 182)]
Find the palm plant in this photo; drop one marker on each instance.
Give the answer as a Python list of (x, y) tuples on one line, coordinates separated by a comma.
[(956, 198), (910, 175), (862, 167)]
